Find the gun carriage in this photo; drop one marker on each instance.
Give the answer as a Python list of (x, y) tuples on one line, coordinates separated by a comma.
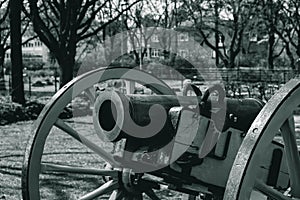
[(205, 147)]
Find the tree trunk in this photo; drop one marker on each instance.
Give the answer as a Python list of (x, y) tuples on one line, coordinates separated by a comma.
[(137, 57), (290, 56), (2, 81), (271, 49), (231, 60), (66, 66), (298, 45), (18, 95)]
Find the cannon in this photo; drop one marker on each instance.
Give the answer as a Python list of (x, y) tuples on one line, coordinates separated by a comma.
[(163, 146)]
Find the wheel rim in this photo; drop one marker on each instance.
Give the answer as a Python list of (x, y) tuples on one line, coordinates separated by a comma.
[(49, 118), (276, 116)]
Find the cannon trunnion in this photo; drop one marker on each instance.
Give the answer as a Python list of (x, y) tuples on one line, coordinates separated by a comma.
[(163, 146)]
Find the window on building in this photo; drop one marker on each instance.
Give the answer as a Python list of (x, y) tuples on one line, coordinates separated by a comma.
[(213, 54), (184, 53), (183, 37), (38, 44), (155, 53), (155, 38), (253, 37)]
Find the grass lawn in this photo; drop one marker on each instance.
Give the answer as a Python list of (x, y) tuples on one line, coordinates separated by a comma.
[(12, 144), (60, 148)]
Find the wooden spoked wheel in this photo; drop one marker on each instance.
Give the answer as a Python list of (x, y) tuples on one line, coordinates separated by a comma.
[(64, 160), (278, 120)]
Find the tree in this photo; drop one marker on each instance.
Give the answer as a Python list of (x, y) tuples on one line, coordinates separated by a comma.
[(61, 25), (16, 51), (135, 26), (215, 19), (113, 37), (269, 19), (4, 35), (288, 28), (154, 20), (140, 25)]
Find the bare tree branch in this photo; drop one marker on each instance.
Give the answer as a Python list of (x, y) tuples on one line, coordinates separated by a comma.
[(89, 21), (41, 29), (87, 35)]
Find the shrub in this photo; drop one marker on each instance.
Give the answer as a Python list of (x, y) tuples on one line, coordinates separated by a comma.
[(33, 65), (42, 73), (12, 112)]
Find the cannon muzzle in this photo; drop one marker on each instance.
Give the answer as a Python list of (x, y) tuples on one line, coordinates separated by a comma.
[(142, 117)]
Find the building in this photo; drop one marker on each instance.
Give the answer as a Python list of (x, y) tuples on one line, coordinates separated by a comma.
[(33, 51), (158, 42)]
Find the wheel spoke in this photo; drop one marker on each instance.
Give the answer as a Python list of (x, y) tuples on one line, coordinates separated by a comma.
[(113, 195), (103, 189), (101, 152), (117, 195), (152, 178), (151, 194), (270, 192), (77, 170), (292, 155)]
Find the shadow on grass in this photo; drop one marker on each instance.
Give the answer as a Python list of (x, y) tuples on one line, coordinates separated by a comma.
[(66, 186), (12, 171)]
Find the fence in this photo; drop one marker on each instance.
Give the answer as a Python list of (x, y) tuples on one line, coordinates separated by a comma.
[(246, 75), (239, 82), (278, 76)]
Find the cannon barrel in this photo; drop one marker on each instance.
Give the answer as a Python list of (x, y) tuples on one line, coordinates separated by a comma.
[(117, 115)]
